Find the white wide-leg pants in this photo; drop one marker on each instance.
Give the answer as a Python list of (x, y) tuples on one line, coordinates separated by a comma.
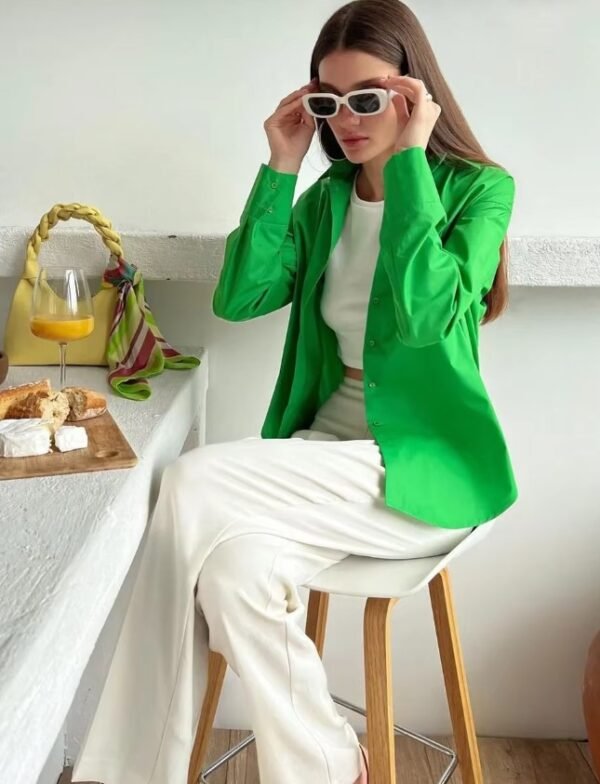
[(237, 528)]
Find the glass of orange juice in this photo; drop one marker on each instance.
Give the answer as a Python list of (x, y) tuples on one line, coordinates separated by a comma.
[(62, 309)]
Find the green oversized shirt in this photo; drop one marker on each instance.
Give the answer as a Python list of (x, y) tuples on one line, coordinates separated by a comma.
[(445, 457)]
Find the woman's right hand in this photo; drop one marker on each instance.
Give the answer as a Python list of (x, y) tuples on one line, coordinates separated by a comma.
[(290, 130)]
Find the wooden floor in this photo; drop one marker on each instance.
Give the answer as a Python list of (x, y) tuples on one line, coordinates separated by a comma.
[(505, 761)]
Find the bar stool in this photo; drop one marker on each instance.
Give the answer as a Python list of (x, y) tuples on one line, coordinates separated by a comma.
[(382, 582)]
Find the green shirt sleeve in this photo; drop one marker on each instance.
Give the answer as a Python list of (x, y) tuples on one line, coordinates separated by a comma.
[(434, 284), (259, 267)]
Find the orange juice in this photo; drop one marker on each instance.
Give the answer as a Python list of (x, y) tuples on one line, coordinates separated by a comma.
[(63, 330)]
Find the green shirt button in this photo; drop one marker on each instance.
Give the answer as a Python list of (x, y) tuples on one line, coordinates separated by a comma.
[(372, 384), (273, 185), (269, 209), (371, 342), (376, 300)]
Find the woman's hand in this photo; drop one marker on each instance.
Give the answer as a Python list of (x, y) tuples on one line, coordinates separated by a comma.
[(290, 130), (417, 116)]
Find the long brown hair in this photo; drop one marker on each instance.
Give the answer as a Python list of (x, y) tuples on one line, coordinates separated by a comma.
[(389, 30)]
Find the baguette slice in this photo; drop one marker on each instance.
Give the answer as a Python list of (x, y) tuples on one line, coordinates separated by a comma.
[(84, 403), (52, 407), (14, 395)]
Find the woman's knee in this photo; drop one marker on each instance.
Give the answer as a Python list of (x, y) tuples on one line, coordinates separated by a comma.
[(195, 475), (193, 504), (205, 464)]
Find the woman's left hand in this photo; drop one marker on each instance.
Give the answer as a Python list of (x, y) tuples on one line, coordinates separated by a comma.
[(417, 116)]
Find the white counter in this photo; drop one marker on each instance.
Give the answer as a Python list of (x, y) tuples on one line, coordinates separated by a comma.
[(534, 261), (66, 546)]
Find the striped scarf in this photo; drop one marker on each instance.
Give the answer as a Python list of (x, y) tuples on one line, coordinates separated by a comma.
[(136, 349)]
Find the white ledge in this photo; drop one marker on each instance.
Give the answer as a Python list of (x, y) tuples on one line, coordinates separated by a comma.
[(534, 261)]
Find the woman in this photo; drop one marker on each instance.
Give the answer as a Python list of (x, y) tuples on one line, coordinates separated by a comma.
[(380, 439)]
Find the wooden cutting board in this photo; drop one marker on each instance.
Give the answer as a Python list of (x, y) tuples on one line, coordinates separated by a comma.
[(107, 449)]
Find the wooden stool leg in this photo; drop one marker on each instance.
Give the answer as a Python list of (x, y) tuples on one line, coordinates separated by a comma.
[(217, 667), (378, 687), (453, 666), (316, 618)]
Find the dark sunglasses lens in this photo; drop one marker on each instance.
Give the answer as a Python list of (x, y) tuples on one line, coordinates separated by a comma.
[(324, 107), (365, 103)]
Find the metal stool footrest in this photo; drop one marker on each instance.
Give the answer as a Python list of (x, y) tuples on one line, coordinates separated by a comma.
[(398, 730)]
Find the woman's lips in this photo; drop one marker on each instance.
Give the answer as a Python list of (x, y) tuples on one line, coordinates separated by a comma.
[(355, 141)]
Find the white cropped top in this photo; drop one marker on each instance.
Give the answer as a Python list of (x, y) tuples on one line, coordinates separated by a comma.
[(349, 276)]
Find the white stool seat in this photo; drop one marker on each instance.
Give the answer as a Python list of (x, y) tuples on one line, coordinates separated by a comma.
[(389, 578)]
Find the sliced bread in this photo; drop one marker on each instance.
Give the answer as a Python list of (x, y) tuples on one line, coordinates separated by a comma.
[(84, 403), (34, 401)]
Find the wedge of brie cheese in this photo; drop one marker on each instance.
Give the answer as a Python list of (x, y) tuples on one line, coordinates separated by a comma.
[(24, 437), (70, 437)]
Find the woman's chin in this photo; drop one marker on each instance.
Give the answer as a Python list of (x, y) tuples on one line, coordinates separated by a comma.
[(358, 155), (362, 154)]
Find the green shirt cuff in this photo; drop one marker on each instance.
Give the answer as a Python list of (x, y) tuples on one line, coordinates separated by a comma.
[(271, 197), (408, 183)]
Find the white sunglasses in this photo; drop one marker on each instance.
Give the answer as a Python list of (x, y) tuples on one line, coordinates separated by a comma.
[(372, 100)]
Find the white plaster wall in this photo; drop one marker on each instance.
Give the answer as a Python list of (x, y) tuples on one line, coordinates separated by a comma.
[(153, 110), (103, 103)]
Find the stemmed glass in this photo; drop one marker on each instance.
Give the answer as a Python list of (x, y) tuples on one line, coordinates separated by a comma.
[(62, 309)]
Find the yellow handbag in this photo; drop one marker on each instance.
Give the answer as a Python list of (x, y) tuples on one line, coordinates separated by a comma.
[(24, 348)]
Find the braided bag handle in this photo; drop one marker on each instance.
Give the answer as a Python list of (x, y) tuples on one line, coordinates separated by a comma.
[(62, 212)]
